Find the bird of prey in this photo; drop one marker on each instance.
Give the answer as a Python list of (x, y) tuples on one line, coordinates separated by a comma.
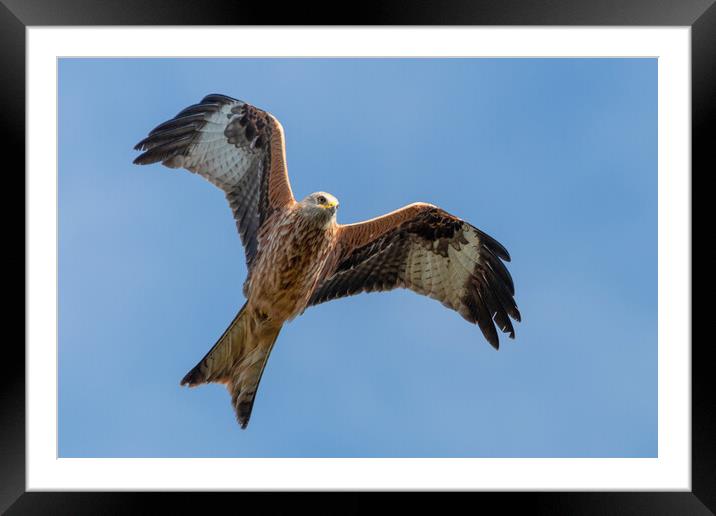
[(299, 256)]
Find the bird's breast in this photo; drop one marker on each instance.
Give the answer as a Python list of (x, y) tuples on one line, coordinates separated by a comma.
[(289, 260)]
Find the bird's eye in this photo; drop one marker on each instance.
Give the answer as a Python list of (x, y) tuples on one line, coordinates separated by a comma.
[(321, 200)]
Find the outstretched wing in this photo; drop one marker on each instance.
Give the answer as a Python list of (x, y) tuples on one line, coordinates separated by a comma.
[(431, 252), (234, 145)]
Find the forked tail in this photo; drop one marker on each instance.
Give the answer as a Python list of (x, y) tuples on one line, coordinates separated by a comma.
[(238, 360)]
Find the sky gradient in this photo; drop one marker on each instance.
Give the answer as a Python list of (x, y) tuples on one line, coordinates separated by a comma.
[(555, 158)]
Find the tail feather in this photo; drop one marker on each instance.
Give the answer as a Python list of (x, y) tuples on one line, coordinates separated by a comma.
[(245, 383), (238, 360), (217, 364)]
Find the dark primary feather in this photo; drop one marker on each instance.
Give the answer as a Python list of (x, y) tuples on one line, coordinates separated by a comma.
[(484, 295)]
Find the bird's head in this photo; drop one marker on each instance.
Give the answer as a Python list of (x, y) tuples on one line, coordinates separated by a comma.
[(320, 207)]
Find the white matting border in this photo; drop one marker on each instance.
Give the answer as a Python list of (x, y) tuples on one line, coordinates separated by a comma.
[(671, 470)]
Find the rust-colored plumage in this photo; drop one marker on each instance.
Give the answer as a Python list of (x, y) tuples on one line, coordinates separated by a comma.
[(298, 256)]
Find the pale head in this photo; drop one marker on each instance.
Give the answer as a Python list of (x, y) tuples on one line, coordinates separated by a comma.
[(320, 207)]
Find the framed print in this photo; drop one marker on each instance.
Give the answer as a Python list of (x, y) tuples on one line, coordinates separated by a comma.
[(551, 148)]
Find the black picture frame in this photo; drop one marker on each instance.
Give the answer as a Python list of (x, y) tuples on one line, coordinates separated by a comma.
[(700, 15)]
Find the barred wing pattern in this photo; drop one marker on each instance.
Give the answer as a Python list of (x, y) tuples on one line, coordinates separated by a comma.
[(234, 145), (425, 249)]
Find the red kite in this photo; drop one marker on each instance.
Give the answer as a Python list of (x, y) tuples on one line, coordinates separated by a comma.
[(299, 256)]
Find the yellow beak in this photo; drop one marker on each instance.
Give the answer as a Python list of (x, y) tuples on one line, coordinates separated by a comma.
[(330, 204)]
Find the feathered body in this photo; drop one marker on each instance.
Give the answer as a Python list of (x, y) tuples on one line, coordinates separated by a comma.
[(299, 256), (292, 251)]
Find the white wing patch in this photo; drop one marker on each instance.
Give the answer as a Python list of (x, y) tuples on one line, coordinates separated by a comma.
[(214, 158)]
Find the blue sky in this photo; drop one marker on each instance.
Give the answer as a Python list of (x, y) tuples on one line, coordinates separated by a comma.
[(556, 158)]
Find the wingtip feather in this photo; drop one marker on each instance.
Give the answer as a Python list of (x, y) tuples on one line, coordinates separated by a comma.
[(494, 340)]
